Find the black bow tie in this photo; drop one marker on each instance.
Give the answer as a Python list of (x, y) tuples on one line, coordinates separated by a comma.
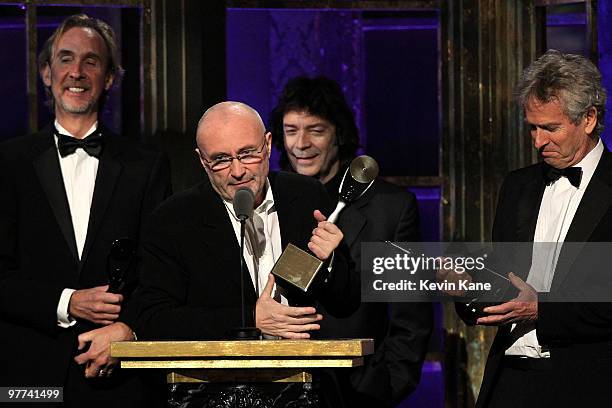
[(573, 174), (92, 144)]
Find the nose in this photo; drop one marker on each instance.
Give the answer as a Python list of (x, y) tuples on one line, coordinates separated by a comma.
[(303, 140), (539, 138), (76, 70), (237, 169)]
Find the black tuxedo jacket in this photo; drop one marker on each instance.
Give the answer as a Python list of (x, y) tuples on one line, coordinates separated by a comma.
[(401, 334), (579, 335), (38, 256), (190, 283)]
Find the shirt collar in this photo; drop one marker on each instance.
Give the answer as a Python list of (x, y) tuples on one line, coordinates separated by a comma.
[(267, 205), (63, 130)]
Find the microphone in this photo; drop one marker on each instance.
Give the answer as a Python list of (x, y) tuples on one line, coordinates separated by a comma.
[(243, 203), (244, 199)]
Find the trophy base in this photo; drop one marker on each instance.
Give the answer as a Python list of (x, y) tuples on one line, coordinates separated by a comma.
[(244, 333), (297, 267)]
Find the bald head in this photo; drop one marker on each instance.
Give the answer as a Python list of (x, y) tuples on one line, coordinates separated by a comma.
[(228, 130), (224, 112)]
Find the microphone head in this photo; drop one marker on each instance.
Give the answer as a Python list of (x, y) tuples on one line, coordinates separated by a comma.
[(244, 199)]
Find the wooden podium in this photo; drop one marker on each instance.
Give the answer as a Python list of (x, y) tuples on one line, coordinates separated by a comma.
[(236, 363)]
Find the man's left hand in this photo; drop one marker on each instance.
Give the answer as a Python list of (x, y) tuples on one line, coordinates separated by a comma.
[(523, 308), (325, 238), (288, 322), (97, 359)]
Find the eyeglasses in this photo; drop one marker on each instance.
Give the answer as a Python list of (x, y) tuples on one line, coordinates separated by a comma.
[(251, 156)]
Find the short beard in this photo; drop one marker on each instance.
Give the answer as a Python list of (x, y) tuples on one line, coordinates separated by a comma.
[(85, 108)]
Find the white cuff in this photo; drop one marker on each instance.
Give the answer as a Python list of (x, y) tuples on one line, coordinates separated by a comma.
[(63, 318)]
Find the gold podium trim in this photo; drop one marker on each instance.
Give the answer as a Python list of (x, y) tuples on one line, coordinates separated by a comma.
[(258, 363), (245, 348), (241, 361)]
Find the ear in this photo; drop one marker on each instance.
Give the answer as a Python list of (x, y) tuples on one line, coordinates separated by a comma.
[(45, 75), (110, 78), (590, 120), (268, 139), (202, 162)]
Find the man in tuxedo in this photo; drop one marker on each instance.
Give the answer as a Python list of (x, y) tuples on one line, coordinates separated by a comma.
[(319, 139), (190, 287), (68, 192), (549, 353), (190, 283)]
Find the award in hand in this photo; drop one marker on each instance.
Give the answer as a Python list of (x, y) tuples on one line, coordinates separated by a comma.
[(299, 268), (120, 262)]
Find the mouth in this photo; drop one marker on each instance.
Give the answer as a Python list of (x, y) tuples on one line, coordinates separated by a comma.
[(240, 183), (76, 90), (305, 159), (544, 152)]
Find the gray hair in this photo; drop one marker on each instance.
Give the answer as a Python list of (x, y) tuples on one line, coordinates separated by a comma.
[(571, 79)]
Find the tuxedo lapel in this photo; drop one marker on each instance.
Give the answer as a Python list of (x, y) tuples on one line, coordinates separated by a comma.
[(285, 198), (218, 235), (109, 170), (596, 201), (527, 218), (47, 167), (352, 220), (529, 207)]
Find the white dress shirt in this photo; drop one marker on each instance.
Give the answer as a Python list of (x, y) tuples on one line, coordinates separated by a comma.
[(79, 172), (269, 246), (557, 209)]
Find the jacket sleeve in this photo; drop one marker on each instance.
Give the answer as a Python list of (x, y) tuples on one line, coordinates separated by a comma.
[(571, 322), (159, 307), (23, 300), (158, 188)]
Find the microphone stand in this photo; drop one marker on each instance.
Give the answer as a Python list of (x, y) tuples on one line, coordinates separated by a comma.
[(244, 332), (242, 231)]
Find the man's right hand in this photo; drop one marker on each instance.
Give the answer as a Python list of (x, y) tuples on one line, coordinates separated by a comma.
[(97, 359), (289, 322), (96, 305)]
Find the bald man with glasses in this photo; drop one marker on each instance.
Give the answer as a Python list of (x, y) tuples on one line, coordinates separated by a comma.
[(190, 281)]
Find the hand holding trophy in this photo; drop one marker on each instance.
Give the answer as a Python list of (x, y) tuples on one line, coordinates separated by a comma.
[(299, 268)]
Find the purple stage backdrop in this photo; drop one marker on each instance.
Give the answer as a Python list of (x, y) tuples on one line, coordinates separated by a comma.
[(604, 22)]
